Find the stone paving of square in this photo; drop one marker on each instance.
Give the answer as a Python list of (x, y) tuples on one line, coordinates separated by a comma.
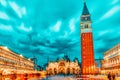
[(57, 77)]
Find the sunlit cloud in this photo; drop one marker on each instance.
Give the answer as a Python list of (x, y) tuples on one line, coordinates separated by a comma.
[(23, 10), (56, 27), (72, 25), (3, 15), (6, 27), (114, 1), (19, 10), (111, 12), (22, 27), (103, 32), (3, 2)]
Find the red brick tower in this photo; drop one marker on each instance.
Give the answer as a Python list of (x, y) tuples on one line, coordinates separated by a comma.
[(87, 49)]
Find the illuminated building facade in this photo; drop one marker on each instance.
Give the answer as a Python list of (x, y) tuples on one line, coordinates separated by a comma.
[(10, 60), (111, 62), (88, 65), (63, 67)]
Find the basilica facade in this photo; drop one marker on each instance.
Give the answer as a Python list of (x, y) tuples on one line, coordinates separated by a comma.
[(63, 67)]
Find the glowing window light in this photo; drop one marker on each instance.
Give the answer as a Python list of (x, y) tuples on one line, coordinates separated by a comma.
[(29, 59), (21, 55), (5, 47)]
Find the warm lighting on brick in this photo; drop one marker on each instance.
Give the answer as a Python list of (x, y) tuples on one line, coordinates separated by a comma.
[(87, 49), (111, 62)]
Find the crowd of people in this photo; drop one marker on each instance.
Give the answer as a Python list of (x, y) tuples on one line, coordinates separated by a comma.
[(111, 76)]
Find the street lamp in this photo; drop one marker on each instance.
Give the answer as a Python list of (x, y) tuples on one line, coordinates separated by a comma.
[(35, 62)]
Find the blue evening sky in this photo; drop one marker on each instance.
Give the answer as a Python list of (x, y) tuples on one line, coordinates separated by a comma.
[(51, 28)]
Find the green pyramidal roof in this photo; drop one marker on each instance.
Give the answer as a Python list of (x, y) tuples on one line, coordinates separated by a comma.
[(85, 10)]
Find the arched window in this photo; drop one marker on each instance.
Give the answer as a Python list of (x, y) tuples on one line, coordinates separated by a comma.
[(86, 25)]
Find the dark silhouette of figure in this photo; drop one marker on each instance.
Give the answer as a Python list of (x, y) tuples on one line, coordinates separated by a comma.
[(113, 76), (26, 76), (109, 76), (0, 75)]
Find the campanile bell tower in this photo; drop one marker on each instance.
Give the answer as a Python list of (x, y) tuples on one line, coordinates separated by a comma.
[(87, 49)]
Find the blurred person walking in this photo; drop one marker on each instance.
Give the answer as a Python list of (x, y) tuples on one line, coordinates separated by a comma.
[(109, 76), (113, 76)]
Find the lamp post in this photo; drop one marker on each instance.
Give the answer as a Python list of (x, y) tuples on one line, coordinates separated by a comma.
[(35, 62)]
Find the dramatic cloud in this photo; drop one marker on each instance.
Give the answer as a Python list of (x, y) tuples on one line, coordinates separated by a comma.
[(4, 16), (48, 29)]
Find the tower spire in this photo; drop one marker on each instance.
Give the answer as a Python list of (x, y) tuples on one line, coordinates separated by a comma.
[(87, 49), (85, 13), (85, 9)]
